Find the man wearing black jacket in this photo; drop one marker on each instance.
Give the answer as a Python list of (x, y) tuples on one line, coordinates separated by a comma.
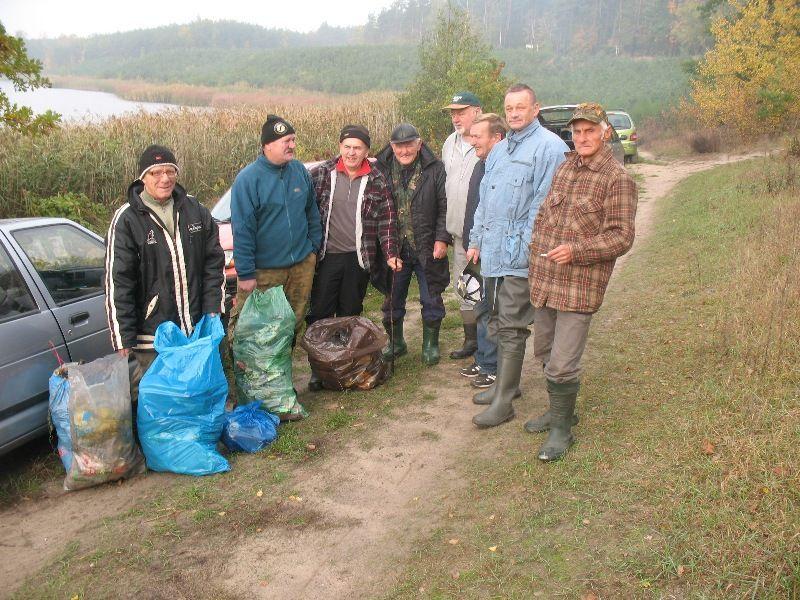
[(163, 261), (417, 180)]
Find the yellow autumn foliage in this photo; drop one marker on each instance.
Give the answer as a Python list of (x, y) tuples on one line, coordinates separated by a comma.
[(750, 80)]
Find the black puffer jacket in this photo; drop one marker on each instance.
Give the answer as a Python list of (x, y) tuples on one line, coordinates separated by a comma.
[(151, 278), (428, 215)]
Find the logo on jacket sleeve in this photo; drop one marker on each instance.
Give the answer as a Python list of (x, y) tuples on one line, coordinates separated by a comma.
[(151, 237), (195, 227)]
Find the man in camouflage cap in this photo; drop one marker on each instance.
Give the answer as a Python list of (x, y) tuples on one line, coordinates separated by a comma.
[(585, 223)]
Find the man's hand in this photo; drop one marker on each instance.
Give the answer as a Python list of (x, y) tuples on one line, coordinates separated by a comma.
[(395, 263), (439, 250), (124, 352), (247, 285), (561, 254), (473, 254)]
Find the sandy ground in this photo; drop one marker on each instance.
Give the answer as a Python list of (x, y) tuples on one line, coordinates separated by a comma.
[(371, 502)]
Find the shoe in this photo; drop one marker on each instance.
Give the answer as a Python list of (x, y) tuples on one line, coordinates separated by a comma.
[(505, 389), (484, 380), (397, 345), (541, 423), (471, 371), (470, 345), (562, 409), (430, 342)]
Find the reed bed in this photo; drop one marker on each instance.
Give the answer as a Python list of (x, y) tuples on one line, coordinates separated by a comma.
[(98, 161)]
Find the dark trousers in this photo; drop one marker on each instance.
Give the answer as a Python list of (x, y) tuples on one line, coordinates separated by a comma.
[(432, 304), (340, 285)]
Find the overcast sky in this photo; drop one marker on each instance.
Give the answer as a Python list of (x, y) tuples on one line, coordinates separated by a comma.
[(52, 18)]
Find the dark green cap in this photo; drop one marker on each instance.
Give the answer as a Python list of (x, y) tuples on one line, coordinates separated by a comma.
[(589, 111), (463, 100)]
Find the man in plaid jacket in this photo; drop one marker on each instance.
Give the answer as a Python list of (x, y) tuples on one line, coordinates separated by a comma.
[(359, 230), (585, 223)]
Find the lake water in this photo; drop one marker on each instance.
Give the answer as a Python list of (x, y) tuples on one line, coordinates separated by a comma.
[(76, 105)]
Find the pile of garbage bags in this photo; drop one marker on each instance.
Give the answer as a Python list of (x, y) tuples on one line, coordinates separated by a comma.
[(262, 353), (346, 353)]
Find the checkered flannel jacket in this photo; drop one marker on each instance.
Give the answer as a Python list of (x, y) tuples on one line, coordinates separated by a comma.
[(378, 216), (591, 207)]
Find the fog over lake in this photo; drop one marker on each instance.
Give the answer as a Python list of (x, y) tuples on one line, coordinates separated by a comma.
[(76, 105)]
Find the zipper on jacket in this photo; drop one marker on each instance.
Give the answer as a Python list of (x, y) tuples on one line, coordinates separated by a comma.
[(288, 216)]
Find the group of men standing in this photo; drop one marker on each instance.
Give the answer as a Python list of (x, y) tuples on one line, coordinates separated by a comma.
[(543, 226)]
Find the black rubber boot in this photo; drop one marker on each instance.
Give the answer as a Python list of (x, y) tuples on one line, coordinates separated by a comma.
[(397, 345), (506, 388), (541, 423), (315, 383), (470, 337), (562, 410), (430, 342)]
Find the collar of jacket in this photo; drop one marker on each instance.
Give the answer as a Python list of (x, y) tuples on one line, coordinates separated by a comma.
[(426, 156), (517, 137), (595, 163), (264, 162), (364, 169), (134, 189)]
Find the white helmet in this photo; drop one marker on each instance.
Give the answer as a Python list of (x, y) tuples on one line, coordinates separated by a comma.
[(470, 285)]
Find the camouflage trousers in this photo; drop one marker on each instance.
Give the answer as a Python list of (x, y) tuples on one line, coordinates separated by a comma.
[(296, 281)]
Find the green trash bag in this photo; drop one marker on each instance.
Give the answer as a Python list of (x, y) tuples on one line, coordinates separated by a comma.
[(262, 353)]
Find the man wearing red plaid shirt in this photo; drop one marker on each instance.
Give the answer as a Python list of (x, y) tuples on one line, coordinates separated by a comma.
[(585, 223)]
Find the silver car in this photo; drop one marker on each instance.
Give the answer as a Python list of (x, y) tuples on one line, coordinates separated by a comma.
[(52, 300)]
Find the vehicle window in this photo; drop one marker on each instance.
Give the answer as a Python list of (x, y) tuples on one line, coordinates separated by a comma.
[(556, 115), (70, 262), (15, 298), (620, 121), (222, 209)]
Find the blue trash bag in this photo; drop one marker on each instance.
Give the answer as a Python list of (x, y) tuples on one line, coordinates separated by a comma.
[(59, 413), (248, 428), (182, 401)]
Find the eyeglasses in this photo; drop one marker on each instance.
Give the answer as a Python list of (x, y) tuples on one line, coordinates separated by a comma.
[(170, 172)]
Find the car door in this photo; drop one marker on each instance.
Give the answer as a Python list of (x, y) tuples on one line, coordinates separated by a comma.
[(27, 328), (70, 262)]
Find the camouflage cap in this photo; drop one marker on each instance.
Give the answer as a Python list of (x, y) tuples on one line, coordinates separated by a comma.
[(589, 111)]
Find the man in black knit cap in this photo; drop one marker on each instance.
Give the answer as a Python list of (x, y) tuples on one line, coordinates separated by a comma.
[(163, 261)]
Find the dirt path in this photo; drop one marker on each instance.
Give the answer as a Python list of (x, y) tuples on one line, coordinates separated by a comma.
[(369, 503)]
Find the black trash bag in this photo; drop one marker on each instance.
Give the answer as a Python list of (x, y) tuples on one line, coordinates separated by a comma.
[(346, 353)]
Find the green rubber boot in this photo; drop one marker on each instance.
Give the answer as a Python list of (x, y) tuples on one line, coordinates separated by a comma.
[(506, 387), (397, 345), (485, 397), (430, 342), (541, 423), (562, 410)]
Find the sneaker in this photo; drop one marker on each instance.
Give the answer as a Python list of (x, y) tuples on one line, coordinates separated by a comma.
[(484, 380), (471, 371)]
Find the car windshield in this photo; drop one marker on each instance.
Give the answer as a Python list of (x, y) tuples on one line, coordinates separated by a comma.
[(222, 209), (620, 121), (556, 115)]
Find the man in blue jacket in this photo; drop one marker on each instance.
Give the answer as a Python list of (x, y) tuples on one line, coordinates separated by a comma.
[(519, 171), (275, 220)]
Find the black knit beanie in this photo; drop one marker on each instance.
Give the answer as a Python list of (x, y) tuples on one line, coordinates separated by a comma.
[(355, 131), (156, 155), (275, 128)]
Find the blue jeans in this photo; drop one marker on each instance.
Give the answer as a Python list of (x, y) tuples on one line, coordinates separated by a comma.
[(486, 355), (432, 305)]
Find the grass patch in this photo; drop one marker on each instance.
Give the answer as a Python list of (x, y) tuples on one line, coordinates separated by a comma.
[(684, 481)]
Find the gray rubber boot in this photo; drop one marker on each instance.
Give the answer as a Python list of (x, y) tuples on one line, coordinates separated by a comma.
[(506, 388), (562, 410), (541, 423)]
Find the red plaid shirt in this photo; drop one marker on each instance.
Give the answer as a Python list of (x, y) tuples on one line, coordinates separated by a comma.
[(592, 207)]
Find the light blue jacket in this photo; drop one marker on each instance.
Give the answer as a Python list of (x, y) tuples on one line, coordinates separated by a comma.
[(519, 170)]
